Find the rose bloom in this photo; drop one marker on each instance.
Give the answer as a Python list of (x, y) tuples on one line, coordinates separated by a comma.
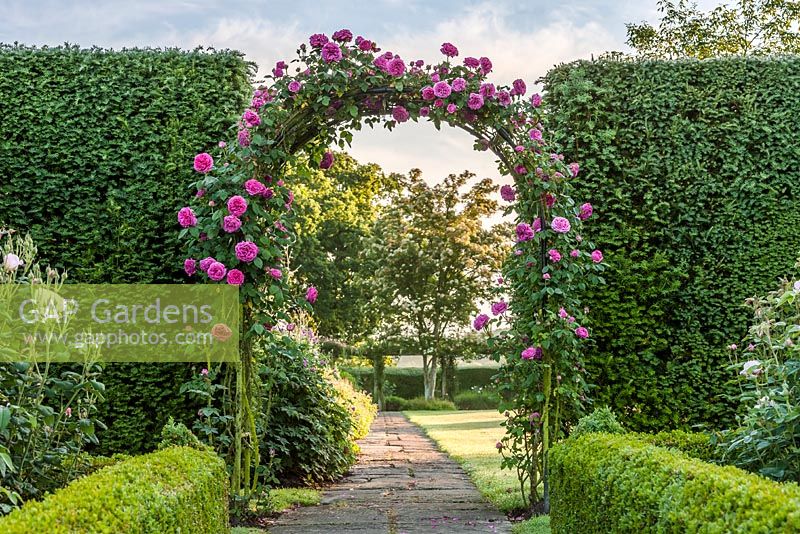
[(586, 211), (499, 307), (216, 271), (487, 90), (318, 40), (424, 111), (449, 50), (312, 294), (504, 99), (452, 108), (508, 193), (519, 87), (442, 89), (331, 53), (459, 84), (243, 137), (295, 86), (231, 223), (475, 101), (597, 256), (246, 251), (203, 162), (555, 256), (396, 67), (575, 253), (581, 332), (251, 118), (400, 114), (560, 225), (486, 65), (471, 62), (221, 332), (275, 273), (235, 277), (327, 160), (524, 232), (428, 93), (237, 205), (186, 217), (480, 321), (536, 100), (343, 36), (532, 353), (574, 168), (254, 187), (206, 263), (189, 266)]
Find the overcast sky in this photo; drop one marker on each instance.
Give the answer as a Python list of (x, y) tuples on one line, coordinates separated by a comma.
[(523, 40)]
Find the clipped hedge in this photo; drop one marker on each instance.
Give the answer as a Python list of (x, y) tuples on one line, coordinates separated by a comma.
[(173, 490), (618, 483), (694, 444), (692, 170), (96, 150), (408, 383)]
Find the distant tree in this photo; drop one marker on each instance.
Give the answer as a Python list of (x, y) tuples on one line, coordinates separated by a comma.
[(748, 27), (336, 212), (435, 261)]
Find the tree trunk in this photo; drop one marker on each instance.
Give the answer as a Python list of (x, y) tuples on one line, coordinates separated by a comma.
[(429, 376)]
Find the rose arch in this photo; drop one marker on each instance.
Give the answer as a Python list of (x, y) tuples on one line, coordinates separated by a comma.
[(238, 223)]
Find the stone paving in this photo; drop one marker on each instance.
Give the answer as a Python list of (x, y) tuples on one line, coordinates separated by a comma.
[(402, 484)]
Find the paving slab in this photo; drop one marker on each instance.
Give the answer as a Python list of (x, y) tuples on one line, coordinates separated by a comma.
[(402, 484)]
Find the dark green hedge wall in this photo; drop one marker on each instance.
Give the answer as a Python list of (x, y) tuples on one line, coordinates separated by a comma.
[(96, 151), (408, 383), (692, 168)]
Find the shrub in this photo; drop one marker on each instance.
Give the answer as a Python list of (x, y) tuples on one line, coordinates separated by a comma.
[(178, 435), (309, 432), (474, 400), (116, 158), (694, 444), (618, 483), (173, 490), (420, 403), (358, 404), (768, 432), (394, 403), (700, 159), (600, 420)]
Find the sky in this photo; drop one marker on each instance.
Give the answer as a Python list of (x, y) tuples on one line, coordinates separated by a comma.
[(523, 40)]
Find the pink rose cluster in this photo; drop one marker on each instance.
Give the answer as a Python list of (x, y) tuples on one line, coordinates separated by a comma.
[(532, 353)]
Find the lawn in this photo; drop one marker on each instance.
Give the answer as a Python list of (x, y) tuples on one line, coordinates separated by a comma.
[(469, 437)]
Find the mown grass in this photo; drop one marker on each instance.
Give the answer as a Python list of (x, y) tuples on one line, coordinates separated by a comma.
[(469, 437), (282, 499)]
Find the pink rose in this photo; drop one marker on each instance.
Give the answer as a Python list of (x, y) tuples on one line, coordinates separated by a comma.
[(206, 263), (560, 225), (480, 321), (251, 118), (231, 223), (586, 211), (312, 294), (275, 273), (555, 256), (189, 266), (203, 162), (508, 193), (216, 271), (532, 353), (499, 307), (235, 277), (581, 332), (237, 205), (254, 187), (246, 251), (597, 256), (187, 218)]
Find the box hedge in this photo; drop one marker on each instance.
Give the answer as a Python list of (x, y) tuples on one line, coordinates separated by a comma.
[(619, 483), (692, 170), (96, 150), (173, 490)]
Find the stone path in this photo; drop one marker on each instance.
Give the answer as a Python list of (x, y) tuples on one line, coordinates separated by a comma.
[(402, 484)]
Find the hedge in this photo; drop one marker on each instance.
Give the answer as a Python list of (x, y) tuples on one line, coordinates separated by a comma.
[(174, 490), (96, 152), (619, 483), (691, 167), (694, 444), (408, 383)]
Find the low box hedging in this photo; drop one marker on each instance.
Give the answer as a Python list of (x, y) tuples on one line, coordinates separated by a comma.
[(173, 490), (619, 483), (694, 444)]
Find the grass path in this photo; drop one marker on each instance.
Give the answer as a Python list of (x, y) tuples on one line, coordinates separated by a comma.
[(469, 437)]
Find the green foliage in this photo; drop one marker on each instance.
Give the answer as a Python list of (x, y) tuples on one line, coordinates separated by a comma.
[(284, 498), (309, 433), (476, 400), (600, 420), (357, 403), (617, 483), (407, 382), (435, 261), (421, 403), (394, 403), (691, 165), (767, 435), (695, 444), (173, 490), (48, 412), (110, 150), (336, 210), (178, 435), (748, 27)]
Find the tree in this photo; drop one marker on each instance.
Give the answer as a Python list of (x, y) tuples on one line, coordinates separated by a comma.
[(749, 27), (336, 210), (436, 261)]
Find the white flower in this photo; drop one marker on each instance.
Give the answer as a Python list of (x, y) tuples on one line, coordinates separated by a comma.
[(797, 286), (751, 368), (11, 262)]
